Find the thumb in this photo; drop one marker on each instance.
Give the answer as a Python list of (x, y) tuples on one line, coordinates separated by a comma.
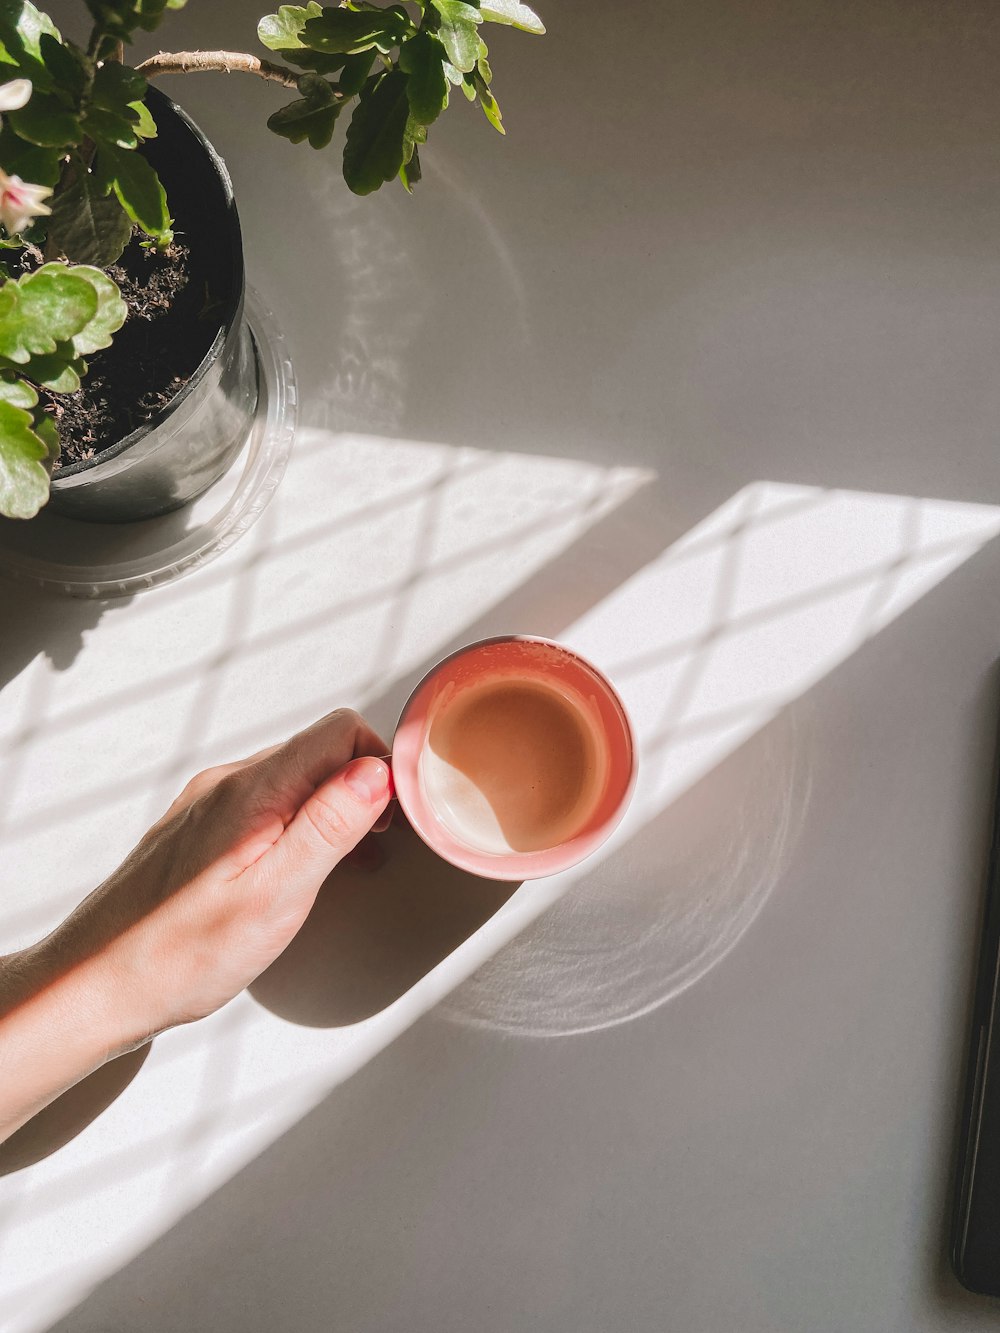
[(331, 822)]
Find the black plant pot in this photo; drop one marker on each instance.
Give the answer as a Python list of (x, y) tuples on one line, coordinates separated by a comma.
[(191, 442)]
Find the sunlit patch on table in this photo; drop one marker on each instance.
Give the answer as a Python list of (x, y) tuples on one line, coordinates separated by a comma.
[(709, 645)]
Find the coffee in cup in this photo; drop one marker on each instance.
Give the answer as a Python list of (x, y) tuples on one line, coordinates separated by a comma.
[(514, 758)]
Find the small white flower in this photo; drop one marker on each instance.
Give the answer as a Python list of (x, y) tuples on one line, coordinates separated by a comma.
[(15, 94), (20, 202)]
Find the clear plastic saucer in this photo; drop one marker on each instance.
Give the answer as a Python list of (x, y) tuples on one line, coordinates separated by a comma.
[(118, 559)]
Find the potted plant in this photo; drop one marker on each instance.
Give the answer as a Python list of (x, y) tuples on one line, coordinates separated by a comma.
[(127, 373)]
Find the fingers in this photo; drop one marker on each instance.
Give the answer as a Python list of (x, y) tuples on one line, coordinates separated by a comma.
[(250, 807), (208, 778), (301, 764), (295, 767), (330, 823), (342, 730)]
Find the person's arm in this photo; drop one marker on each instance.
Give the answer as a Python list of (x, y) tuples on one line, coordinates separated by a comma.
[(206, 901), (56, 1027)]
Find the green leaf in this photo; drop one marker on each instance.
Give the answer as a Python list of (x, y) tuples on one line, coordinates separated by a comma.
[(324, 48), (44, 121), (45, 429), (137, 187), (22, 27), (317, 61), (92, 227), (452, 74), (26, 25), (102, 171), (144, 124), (18, 393), (283, 31), (43, 309), (107, 319), (115, 85), (41, 166), (422, 59), (108, 127), (349, 31), (24, 479), (413, 134), (303, 58), (111, 116), (469, 88), (302, 120), (315, 88), (355, 71), (459, 11), (32, 25), (459, 33), (483, 63), (512, 13), (120, 18), (60, 372), (312, 117), (409, 172), (489, 104), (375, 145), (70, 68)]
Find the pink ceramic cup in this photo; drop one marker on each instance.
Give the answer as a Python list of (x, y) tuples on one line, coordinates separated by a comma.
[(561, 772)]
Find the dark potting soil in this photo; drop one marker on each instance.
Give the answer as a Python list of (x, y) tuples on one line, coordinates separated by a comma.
[(170, 326)]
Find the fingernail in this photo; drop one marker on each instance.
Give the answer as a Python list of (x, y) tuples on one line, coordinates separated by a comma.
[(368, 779)]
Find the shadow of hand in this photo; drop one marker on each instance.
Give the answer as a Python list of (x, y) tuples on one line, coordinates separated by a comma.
[(373, 934), (69, 1115)]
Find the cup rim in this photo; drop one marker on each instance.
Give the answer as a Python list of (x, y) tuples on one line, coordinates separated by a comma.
[(508, 866)]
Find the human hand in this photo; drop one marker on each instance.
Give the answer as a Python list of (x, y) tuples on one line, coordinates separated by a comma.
[(219, 886), (207, 900)]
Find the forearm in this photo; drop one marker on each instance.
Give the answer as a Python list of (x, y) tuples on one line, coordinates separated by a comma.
[(57, 1025), (204, 903)]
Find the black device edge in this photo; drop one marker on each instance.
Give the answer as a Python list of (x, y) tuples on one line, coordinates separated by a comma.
[(984, 1016)]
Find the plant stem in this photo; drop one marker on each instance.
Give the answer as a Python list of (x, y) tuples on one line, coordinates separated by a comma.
[(78, 164), (190, 62)]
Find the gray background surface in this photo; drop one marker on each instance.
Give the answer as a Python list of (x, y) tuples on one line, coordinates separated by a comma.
[(741, 242)]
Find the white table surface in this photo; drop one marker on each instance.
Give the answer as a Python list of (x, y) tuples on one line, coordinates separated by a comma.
[(697, 370)]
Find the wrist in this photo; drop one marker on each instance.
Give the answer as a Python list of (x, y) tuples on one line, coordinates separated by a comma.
[(68, 1003), (56, 1027), (96, 969), (90, 994)]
